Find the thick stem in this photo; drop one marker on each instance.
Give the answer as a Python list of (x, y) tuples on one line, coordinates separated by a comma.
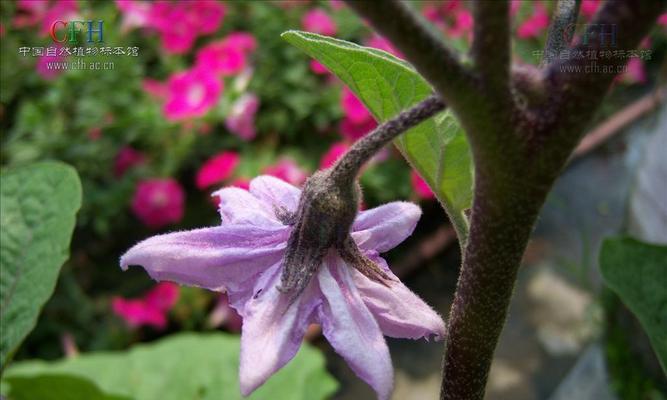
[(346, 169), (420, 45), (561, 29), (491, 47)]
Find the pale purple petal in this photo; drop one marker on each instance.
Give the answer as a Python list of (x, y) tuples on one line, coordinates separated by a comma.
[(239, 206), (351, 329), (272, 329), (384, 227), (274, 191), (398, 311), (219, 258)]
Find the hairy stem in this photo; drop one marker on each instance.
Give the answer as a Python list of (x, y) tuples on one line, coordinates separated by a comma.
[(347, 168), (491, 46), (561, 29), (420, 45)]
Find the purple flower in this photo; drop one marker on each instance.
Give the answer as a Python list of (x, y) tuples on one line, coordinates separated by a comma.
[(243, 257)]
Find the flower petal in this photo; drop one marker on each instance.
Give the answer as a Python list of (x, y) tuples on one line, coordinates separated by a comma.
[(351, 329), (219, 258), (274, 191), (272, 329), (238, 206), (383, 228), (398, 311)]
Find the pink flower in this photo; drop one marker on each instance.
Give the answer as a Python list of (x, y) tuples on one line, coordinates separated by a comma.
[(227, 56), (150, 310), (515, 5), (378, 42), (192, 93), (158, 202), (287, 170), (662, 19), (126, 158), (318, 21), (155, 88), (243, 256), (463, 23), (241, 183), (589, 8), (318, 68), (217, 169), (420, 186), (535, 24), (208, 15), (332, 155), (336, 4), (635, 72), (241, 119), (34, 12), (48, 67), (358, 121), (136, 13)]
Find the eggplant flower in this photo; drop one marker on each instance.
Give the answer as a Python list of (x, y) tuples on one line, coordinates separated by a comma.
[(246, 256)]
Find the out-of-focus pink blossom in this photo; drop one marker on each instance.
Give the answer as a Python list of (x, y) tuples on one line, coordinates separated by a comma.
[(192, 93), (378, 42), (44, 12), (515, 5), (536, 24), (217, 169), (635, 72), (179, 23), (241, 118), (224, 315), (420, 186), (47, 66), (150, 310), (241, 183), (358, 121), (227, 56), (336, 4), (158, 202), (136, 13), (589, 8), (155, 88), (463, 23), (126, 158), (662, 19), (452, 17), (318, 21), (287, 170), (29, 12), (95, 133), (332, 155), (208, 14), (318, 68)]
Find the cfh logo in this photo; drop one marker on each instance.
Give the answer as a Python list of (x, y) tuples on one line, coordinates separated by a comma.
[(69, 30), (604, 34)]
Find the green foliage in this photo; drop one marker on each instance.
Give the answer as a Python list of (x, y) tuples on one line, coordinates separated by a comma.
[(38, 204), (437, 148), (56, 387), (637, 272), (187, 366)]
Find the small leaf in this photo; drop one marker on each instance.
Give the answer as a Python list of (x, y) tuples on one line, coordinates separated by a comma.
[(56, 387), (387, 85), (188, 366), (38, 204), (637, 272)]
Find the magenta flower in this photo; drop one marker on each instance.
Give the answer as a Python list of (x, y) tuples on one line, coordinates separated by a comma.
[(243, 257), (318, 68), (534, 25), (241, 118), (151, 310), (287, 170), (136, 13), (227, 56), (381, 43), (318, 21), (635, 72), (332, 155), (358, 120), (217, 169), (662, 19), (589, 8), (126, 158), (420, 186), (158, 202), (48, 66), (192, 93)]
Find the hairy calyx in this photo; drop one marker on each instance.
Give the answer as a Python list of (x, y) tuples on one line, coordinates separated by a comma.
[(329, 203)]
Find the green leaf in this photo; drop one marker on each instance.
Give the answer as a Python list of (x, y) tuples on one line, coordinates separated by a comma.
[(56, 387), (637, 272), (38, 205), (437, 148), (188, 366)]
